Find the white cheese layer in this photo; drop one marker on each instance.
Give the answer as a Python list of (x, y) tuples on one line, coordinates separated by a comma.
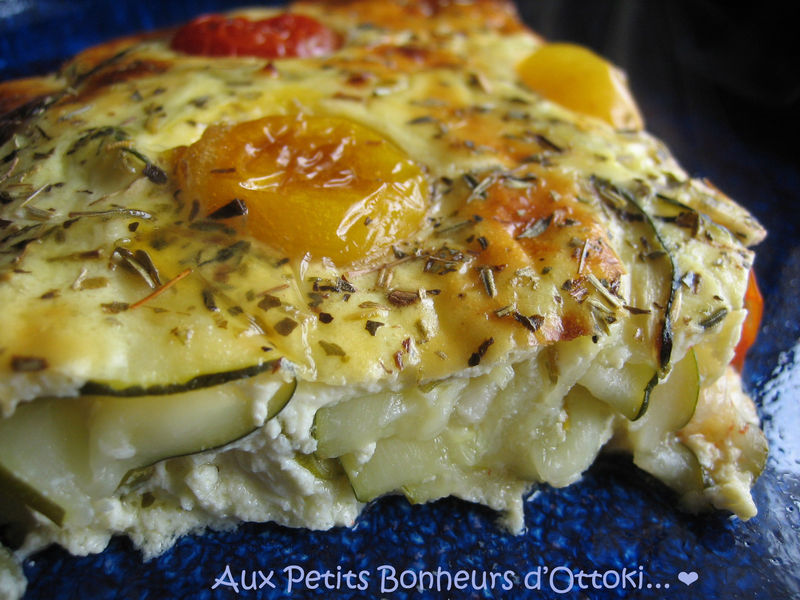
[(486, 438)]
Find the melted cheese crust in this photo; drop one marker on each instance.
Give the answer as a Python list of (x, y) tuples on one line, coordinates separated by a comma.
[(516, 223)]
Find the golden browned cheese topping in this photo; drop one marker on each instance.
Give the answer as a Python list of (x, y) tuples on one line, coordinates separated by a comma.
[(405, 205)]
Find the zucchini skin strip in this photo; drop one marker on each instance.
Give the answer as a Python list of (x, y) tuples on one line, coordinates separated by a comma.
[(611, 194), (94, 388)]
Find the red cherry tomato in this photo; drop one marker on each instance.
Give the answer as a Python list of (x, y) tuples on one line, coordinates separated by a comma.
[(754, 303), (286, 35)]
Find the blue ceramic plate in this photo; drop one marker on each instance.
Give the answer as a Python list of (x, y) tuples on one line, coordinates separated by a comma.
[(729, 115)]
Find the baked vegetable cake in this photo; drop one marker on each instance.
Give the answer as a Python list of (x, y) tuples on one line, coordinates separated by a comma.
[(272, 265)]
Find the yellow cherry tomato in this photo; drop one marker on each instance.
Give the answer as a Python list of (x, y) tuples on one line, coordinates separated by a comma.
[(324, 186), (578, 79)]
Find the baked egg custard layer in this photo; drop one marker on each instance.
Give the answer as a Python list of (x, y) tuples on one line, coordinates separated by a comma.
[(413, 248)]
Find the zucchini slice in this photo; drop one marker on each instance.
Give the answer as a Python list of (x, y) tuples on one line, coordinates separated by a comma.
[(626, 390), (455, 460), (654, 250), (657, 449), (57, 455), (395, 465), (422, 470), (671, 406), (561, 454), (415, 414), (96, 388)]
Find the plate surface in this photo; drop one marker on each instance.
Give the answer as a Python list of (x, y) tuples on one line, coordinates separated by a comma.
[(728, 116)]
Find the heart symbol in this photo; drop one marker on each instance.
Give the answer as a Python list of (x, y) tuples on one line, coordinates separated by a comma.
[(687, 578)]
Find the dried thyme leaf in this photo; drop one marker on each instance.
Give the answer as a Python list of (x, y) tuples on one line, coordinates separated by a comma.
[(372, 326), (402, 297), (286, 326), (95, 133), (143, 258), (421, 120), (28, 364), (714, 318), (269, 301), (316, 299), (601, 316), (38, 214), (79, 256), (139, 262), (607, 295), (532, 323), (131, 212), (548, 144), (689, 220), (371, 304), (234, 208), (50, 294), (385, 276), (208, 300), (470, 180), (505, 311), (487, 278), (338, 285), (155, 174), (514, 182), (93, 283), (692, 281), (636, 311), (228, 252), (115, 307), (475, 358), (552, 364), (332, 349), (536, 228), (480, 188)]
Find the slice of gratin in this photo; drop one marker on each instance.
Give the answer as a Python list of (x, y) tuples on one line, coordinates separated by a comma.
[(409, 249)]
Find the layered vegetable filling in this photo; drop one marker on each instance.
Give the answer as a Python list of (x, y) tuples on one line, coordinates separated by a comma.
[(311, 454), (59, 455)]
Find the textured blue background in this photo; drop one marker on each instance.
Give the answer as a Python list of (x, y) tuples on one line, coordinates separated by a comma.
[(721, 87)]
